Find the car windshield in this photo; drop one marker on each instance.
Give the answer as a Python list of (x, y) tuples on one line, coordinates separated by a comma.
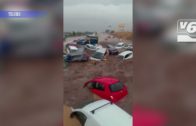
[(116, 87), (98, 55)]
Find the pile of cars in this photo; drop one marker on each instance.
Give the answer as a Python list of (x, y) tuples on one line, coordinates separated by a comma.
[(75, 53), (104, 112), (81, 50)]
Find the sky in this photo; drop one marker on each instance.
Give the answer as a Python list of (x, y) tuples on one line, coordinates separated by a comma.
[(97, 15)]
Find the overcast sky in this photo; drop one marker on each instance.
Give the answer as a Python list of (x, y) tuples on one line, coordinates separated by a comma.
[(97, 15)]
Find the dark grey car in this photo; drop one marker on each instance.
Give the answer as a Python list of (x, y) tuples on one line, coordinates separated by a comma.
[(76, 58), (112, 50)]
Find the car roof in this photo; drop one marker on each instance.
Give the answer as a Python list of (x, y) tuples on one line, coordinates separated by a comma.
[(120, 43), (94, 105), (125, 53), (106, 80), (101, 50), (108, 114), (73, 47)]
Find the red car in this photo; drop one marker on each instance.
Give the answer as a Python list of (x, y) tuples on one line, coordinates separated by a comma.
[(108, 88)]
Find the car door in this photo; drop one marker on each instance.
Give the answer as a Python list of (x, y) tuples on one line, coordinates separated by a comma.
[(99, 89), (96, 88)]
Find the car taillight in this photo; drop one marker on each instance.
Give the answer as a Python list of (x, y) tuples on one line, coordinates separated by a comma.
[(111, 97)]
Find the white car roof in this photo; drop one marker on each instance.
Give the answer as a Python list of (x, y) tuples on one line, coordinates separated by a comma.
[(101, 50), (125, 53), (120, 43), (108, 114), (73, 47)]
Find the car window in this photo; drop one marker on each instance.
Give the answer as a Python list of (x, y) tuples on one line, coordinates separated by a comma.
[(81, 117), (98, 86), (116, 87), (127, 56)]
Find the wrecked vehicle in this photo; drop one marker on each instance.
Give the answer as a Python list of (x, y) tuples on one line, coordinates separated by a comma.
[(92, 39), (82, 42), (108, 88), (71, 48), (99, 55), (93, 47), (76, 57), (102, 113), (112, 50), (126, 55), (120, 45), (128, 47)]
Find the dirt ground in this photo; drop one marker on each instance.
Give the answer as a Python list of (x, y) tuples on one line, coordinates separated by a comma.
[(76, 74)]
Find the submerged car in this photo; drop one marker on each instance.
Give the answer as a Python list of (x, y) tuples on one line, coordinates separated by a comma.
[(102, 113), (126, 55), (120, 45), (71, 48), (129, 47), (76, 58), (108, 88), (99, 55), (82, 42), (112, 50), (93, 47)]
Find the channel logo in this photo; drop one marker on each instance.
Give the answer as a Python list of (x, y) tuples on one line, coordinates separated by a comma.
[(186, 30)]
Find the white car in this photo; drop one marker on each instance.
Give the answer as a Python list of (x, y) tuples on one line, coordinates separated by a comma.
[(102, 113), (71, 49), (129, 47), (92, 47), (126, 55), (120, 45), (99, 55)]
